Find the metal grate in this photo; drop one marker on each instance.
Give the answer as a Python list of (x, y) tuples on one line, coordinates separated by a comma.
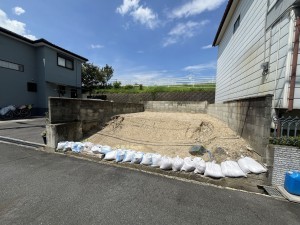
[(272, 191)]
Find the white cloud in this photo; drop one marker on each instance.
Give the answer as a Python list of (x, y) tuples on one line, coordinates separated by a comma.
[(18, 10), (145, 16), (127, 6), (97, 46), (183, 31), (194, 7), (14, 26), (140, 14), (207, 47), (30, 36), (200, 67)]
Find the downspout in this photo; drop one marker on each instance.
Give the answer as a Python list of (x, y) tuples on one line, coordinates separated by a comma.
[(294, 66)]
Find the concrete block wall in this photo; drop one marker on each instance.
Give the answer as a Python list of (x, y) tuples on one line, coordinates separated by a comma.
[(176, 106), (72, 119), (250, 118), (208, 96), (286, 158)]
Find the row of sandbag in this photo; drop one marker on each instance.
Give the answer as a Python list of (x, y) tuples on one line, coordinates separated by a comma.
[(227, 168)]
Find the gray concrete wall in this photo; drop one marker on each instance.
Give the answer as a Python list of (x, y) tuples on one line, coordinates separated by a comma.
[(286, 158), (208, 96), (176, 106), (250, 118), (72, 119)]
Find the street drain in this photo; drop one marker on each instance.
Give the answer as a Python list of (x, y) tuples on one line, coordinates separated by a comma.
[(272, 191)]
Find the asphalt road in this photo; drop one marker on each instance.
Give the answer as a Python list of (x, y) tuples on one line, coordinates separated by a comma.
[(44, 188), (23, 129)]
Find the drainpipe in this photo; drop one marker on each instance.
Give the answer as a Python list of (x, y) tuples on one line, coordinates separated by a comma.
[(294, 66)]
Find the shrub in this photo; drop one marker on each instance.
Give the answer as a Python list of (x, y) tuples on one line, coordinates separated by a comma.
[(289, 141), (129, 86), (117, 84)]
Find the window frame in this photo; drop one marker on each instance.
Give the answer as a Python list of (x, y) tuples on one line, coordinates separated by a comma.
[(66, 59), (236, 23), (20, 66)]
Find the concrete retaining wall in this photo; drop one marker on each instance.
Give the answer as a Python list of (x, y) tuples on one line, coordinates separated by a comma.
[(72, 119), (176, 106), (250, 118), (286, 158), (208, 96)]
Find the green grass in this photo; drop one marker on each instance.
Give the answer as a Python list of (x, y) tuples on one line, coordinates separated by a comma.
[(155, 89)]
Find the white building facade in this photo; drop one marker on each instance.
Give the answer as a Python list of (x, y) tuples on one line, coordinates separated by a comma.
[(258, 44)]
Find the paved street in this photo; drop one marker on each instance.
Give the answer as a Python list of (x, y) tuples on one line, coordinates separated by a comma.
[(44, 188), (23, 129)]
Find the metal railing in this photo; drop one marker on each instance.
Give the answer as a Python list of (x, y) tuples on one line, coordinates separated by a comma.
[(288, 127)]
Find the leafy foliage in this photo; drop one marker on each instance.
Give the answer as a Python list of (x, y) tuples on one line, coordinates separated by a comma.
[(117, 84), (289, 141), (93, 76)]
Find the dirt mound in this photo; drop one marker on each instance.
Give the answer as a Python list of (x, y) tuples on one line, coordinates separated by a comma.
[(172, 134)]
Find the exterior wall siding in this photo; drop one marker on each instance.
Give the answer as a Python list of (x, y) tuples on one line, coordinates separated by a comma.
[(241, 53), (40, 67), (239, 73), (14, 83)]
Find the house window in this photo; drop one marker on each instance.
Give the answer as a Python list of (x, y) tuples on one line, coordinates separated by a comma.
[(31, 87), (12, 66), (236, 24), (73, 93), (65, 62), (61, 90)]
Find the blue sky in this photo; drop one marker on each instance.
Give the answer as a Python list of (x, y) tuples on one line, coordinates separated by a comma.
[(143, 40)]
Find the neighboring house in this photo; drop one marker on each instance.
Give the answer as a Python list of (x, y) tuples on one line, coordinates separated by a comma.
[(31, 71), (258, 44)]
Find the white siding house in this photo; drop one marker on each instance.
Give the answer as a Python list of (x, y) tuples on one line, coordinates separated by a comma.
[(256, 40)]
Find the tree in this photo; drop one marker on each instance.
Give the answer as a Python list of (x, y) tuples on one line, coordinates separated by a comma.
[(93, 76), (106, 74), (89, 76)]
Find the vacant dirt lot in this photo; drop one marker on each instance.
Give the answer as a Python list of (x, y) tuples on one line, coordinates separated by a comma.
[(172, 134)]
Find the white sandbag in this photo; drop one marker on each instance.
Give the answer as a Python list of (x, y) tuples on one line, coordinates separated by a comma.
[(69, 145), (177, 163), (147, 159), (120, 155), (166, 163), (77, 147), (200, 165), (61, 145), (248, 165), (111, 155), (213, 170), (128, 156), (232, 169), (188, 164), (105, 149), (87, 147), (156, 160), (96, 149), (137, 157)]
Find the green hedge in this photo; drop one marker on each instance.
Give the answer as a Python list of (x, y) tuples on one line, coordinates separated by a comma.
[(289, 141)]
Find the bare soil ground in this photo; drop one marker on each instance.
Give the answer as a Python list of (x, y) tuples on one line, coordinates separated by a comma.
[(173, 134)]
